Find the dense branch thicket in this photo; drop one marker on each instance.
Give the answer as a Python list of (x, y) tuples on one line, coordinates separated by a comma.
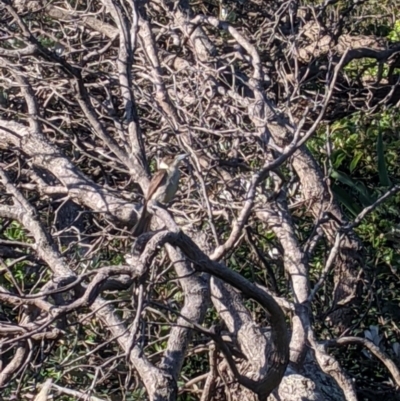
[(249, 282)]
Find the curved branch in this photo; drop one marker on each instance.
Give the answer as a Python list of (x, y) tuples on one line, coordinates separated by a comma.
[(390, 365)]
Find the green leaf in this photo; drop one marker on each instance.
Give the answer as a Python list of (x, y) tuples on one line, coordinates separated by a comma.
[(355, 161), (343, 178), (338, 158), (347, 200), (382, 170), (364, 196)]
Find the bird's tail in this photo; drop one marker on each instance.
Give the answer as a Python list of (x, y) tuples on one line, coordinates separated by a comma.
[(143, 224)]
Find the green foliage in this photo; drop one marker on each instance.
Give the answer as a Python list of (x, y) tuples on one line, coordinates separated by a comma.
[(370, 69), (364, 164), (46, 42), (15, 232), (394, 34), (382, 169), (364, 157)]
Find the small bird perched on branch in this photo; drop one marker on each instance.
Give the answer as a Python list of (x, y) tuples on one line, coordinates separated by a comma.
[(162, 188)]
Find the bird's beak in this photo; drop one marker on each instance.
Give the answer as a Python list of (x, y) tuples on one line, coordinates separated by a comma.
[(181, 157)]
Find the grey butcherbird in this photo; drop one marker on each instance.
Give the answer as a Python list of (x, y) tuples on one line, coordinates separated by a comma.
[(162, 188)]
